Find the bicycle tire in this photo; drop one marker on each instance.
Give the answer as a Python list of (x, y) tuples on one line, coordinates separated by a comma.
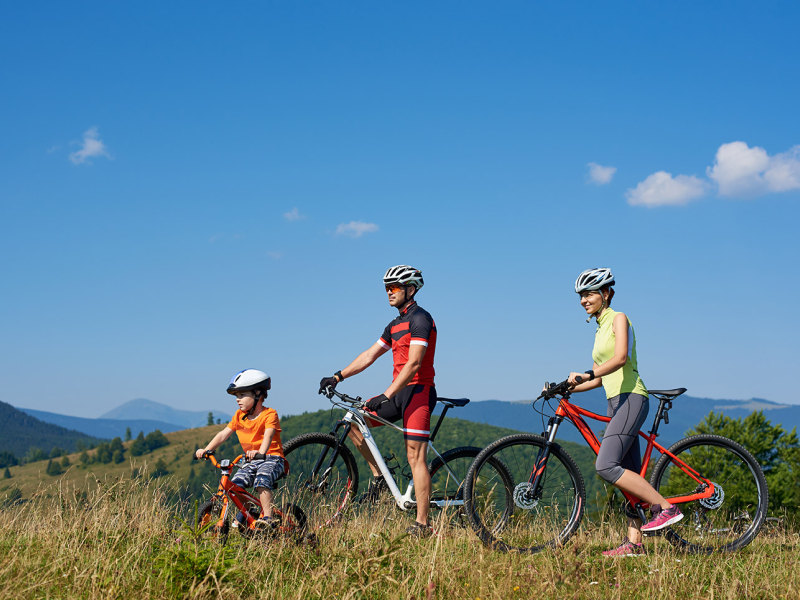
[(728, 520), (510, 523), (446, 487), (210, 511), (321, 496)]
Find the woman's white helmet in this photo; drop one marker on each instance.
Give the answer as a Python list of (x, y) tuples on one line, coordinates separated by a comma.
[(592, 280), (248, 380), (404, 275)]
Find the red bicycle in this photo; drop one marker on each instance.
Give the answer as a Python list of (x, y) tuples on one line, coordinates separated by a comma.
[(289, 519), (719, 485)]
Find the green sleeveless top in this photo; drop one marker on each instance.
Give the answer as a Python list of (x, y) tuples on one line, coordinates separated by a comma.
[(626, 379)]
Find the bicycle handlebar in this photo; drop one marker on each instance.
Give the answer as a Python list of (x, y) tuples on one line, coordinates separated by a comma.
[(330, 392), (562, 389), (210, 456)]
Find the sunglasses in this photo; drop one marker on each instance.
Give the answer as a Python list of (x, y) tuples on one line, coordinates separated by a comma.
[(394, 288)]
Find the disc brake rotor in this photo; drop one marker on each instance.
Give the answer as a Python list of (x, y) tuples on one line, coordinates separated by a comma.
[(716, 499), (523, 496)]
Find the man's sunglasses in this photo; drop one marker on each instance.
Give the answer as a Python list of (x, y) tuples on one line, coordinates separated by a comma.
[(393, 288)]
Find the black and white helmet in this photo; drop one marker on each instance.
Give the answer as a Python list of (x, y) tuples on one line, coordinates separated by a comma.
[(249, 379), (592, 280), (404, 275)]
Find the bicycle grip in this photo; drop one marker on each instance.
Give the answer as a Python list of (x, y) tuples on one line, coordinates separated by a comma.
[(579, 379)]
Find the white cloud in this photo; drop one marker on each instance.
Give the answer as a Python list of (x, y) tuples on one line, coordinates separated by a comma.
[(356, 229), (661, 189), (744, 172), (600, 175), (275, 255), (293, 215), (91, 147)]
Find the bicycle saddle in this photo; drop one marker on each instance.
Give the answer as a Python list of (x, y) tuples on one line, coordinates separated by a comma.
[(454, 401), (669, 393)]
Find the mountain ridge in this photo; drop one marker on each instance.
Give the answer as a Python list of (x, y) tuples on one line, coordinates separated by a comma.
[(142, 408)]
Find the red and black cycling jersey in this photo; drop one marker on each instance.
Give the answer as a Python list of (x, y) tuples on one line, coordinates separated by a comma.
[(414, 326)]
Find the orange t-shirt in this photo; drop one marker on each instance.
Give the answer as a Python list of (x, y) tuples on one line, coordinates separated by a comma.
[(251, 431)]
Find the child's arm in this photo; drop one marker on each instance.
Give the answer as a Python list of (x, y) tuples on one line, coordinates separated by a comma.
[(216, 442), (262, 449)]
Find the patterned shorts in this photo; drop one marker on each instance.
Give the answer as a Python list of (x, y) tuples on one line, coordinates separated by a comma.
[(260, 473)]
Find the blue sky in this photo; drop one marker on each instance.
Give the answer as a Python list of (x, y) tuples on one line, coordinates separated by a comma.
[(189, 189)]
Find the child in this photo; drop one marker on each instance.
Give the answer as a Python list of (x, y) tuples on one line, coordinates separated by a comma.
[(259, 432)]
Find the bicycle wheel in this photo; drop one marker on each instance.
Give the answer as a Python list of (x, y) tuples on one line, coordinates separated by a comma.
[(513, 517), (449, 474), (322, 478), (729, 519), (209, 512)]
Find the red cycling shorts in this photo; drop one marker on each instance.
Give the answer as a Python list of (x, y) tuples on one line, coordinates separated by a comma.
[(415, 404)]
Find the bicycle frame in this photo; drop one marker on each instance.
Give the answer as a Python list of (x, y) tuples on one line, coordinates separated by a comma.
[(404, 501), (567, 410), (231, 492)]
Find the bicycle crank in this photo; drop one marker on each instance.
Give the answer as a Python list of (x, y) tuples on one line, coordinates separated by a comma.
[(523, 496)]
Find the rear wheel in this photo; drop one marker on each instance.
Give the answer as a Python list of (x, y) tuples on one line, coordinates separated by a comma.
[(513, 517), (729, 519), (322, 478)]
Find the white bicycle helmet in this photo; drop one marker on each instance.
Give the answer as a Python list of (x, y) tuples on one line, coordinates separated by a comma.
[(592, 280), (404, 275), (249, 379)]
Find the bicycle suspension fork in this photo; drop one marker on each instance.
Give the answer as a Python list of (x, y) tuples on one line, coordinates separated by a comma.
[(544, 453)]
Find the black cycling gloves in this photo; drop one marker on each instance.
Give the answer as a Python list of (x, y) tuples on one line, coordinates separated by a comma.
[(375, 403), (327, 382)]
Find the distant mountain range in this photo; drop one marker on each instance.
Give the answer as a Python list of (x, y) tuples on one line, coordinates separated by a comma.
[(103, 428), (146, 416), (147, 409), (140, 415), (686, 412), (20, 431)]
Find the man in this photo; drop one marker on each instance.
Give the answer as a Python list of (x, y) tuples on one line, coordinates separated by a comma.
[(412, 395)]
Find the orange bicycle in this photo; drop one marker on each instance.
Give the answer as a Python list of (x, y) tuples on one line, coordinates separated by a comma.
[(288, 520), (719, 485)]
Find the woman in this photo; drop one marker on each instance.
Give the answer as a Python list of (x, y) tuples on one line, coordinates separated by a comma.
[(619, 460)]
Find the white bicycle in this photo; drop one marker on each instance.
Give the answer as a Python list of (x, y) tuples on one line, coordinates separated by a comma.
[(323, 479)]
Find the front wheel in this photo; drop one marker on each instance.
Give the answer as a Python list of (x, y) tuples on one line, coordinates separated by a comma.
[(514, 517), (322, 478), (208, 518), (734, 514)]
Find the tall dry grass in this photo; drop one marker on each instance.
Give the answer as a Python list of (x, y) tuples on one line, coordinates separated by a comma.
[(122, 539)]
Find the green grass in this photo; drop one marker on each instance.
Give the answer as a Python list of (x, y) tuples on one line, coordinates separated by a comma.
[(119, 538)]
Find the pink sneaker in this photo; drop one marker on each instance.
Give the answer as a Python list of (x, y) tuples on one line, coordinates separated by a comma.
[(627, 548), (663, 518)]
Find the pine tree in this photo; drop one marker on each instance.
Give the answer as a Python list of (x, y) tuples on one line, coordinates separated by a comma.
[(7, 474), (65, 462), (53, 468), (210, 419), (127, 434)]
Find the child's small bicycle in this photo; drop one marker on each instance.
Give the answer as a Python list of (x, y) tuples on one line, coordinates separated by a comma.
[(289, 520)]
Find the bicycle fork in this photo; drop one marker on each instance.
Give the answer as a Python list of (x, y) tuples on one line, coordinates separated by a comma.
[(537, 475)]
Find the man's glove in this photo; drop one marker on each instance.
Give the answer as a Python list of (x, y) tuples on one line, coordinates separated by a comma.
[(375, 403), (327, 382)]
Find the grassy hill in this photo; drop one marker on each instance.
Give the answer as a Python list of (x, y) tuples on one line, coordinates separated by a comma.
[(175, 459), (20, 431)]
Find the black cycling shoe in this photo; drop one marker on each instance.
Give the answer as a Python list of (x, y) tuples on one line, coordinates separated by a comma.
[(419, 531), (373, 494)]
